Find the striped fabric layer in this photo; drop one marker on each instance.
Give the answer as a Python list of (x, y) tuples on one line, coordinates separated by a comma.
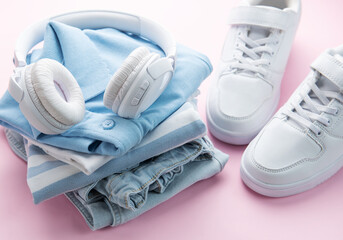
[(53, 171)]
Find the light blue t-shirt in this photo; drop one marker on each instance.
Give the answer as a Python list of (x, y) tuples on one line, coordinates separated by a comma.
[(93, 56)]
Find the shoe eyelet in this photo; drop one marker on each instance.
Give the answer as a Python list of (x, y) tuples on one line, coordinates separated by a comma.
[(337, 111), (319, 133), (328, 123)]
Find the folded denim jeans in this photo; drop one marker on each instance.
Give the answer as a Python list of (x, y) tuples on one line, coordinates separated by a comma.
[(122, 197), (92, 56), (130, 188), (48, 177)]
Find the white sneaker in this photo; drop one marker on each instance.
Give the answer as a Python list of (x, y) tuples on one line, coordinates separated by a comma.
[(247, 89), (302, 145)]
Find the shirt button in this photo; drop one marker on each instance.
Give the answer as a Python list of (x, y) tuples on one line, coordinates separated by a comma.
[(108, 124)]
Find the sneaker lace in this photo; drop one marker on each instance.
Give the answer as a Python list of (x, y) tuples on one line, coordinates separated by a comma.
[(306, 111), (252, 52)]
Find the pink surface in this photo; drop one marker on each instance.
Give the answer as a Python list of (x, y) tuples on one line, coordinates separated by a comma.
[(218, 208)]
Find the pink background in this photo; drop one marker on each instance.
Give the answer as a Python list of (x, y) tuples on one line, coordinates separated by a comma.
[(218, 208)]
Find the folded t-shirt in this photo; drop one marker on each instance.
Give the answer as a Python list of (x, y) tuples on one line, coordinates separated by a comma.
[(93, 56)]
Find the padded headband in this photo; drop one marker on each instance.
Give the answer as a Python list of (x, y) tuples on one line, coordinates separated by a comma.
[(95, 20)]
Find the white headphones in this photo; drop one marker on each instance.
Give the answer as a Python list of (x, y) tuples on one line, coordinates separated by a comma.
[(51, 99)]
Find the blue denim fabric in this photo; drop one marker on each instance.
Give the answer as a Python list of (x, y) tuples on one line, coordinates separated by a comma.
[(121, 197), (48, 177), (93, 56)]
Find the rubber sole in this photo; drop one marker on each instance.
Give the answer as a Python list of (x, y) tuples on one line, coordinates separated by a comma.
[(285, 190)]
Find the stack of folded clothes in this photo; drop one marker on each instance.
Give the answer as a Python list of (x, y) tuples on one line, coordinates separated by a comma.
[(114, 169)]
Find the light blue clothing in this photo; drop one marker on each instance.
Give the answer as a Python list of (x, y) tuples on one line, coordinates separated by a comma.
[(48, 177), (88, 163), (93, 56), (122, 197)]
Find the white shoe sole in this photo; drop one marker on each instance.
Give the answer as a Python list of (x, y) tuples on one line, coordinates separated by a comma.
[(285, 190)]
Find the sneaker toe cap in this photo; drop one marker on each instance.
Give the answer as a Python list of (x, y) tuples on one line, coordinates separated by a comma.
[(280, 154), (240, 106)]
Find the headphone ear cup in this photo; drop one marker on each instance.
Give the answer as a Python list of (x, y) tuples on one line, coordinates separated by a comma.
[(55, 94), (120, 77)]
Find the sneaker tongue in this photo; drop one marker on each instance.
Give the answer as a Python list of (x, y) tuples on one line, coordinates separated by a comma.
[(323, 83), (255, 33)]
